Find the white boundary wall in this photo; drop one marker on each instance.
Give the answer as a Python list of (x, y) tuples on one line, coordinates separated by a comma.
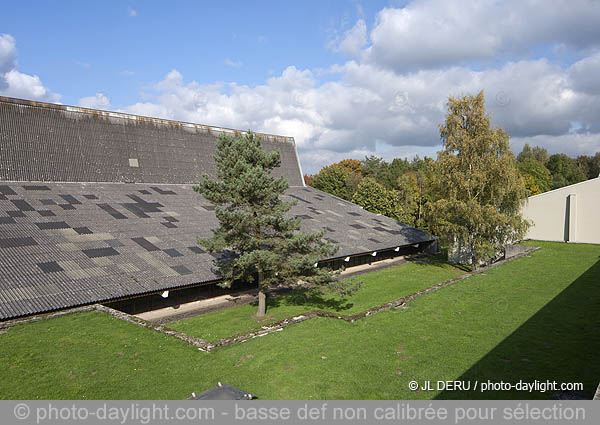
[(569, 214)]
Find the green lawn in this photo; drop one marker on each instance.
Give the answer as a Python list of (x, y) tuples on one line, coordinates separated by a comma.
[(533, 318), (377, 288)]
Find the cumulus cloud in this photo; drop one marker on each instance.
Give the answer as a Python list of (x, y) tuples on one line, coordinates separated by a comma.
[(17, 84), (434, 33), (574, 143), (353, 40), (27, 86), (370, 110), (99, 101), (584, 75), (8, 55)]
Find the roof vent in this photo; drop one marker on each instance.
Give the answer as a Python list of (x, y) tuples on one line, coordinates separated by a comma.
[(133, 162)]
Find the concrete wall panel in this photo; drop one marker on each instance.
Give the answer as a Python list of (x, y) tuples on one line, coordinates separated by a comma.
[(568, 214)]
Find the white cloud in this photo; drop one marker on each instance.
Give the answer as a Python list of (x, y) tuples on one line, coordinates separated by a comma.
[(436, 33), (353, 40), (28, 87), (8, 54), (584, 75), (99, 101), (132, 12), (17, 84), (232, 63), (369, 110), (572, 143)]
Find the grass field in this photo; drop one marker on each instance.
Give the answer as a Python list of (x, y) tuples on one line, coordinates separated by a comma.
[(377, 288), (533, 318)]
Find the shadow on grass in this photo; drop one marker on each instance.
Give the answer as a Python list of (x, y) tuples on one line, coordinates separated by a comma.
[(439, 260), (559, 343), (310, 299), (314, 299)]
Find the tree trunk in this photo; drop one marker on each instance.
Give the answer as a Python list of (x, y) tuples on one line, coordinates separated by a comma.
[(262, 297), (474, 260), (262, 304)]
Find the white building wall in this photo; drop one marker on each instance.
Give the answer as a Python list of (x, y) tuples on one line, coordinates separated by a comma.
[(569, 214)]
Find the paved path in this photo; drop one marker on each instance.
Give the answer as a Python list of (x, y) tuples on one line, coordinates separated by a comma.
[(195, 308)]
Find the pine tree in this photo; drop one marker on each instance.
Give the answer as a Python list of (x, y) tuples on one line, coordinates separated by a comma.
[(255, 239), (479, 189)]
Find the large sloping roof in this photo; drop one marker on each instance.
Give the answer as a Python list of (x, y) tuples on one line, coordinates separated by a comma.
[(64, 244), (67, 244), (47, 142)]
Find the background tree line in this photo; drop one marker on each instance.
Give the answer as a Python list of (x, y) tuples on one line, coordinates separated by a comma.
[(401, 189), (543, 173), (397, 189)]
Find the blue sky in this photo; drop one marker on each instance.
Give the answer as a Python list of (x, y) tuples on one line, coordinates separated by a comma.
[(344, 78), (121, 48)]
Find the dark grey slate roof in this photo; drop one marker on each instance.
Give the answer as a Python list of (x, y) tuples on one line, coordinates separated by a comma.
[(47, 142), (81, 223), (68, 244)]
